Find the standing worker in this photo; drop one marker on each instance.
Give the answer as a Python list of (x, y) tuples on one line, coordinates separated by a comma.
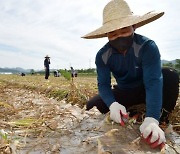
[(134, 61), (46, 66)]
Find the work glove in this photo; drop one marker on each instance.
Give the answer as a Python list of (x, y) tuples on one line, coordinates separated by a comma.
[(118, 113), (152, 133)]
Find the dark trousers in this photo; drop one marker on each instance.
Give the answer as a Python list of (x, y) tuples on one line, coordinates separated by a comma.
[(46, 73), (136, 96)]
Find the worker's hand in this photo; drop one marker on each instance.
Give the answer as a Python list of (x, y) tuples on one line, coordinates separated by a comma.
[(118, 113), (152, 133)]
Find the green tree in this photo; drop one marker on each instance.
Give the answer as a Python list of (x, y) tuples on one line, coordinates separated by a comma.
[(177, 65), (169, 65), (65, 74)]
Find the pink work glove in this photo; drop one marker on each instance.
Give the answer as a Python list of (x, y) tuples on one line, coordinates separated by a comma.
[(152, 133), (118, 113)]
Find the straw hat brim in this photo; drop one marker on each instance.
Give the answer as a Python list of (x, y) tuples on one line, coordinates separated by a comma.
[(124, 22)]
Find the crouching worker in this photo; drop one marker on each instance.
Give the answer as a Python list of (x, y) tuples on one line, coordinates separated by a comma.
[(134, 61)]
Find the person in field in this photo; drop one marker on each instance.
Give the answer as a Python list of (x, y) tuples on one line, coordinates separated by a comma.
[(134, 61), (73, 72), (46, 66)]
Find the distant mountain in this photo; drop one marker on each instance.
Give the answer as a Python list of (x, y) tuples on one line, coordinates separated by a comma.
[(14, 70), (166, 61)]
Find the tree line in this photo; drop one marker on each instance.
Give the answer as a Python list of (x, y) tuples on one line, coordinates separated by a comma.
[(176, 65)]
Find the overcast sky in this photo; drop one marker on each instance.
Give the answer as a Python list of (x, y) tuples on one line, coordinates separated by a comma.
[(32, 29)]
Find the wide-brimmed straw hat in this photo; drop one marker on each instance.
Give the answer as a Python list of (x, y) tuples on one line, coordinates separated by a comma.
[(46, 56), (117, 14)]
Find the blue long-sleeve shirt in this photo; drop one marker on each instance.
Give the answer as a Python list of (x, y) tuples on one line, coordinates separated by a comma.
[(140, 65)]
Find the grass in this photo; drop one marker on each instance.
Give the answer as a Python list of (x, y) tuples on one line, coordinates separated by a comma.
[(76, 92)]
